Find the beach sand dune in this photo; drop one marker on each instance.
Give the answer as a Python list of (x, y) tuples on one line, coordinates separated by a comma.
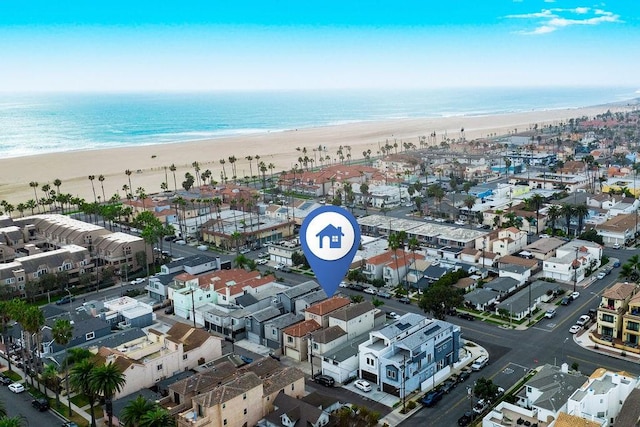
[(148, 163)]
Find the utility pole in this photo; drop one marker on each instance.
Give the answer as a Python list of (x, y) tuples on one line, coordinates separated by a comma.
[(193, 307), (404, 400), (575, 270)]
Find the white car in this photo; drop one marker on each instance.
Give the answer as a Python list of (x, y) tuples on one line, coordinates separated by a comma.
[(363, 385), (575, 329), (16, 387), (574, 295), (371, 291), (458, 222), (139, 280), (344, 285), (583, 320), (544, 236), (245, 251), (480, 363), (601, 275), (203, 248), (261, 261)]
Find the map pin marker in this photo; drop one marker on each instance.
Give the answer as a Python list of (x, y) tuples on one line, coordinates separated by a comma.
[(330, 238)]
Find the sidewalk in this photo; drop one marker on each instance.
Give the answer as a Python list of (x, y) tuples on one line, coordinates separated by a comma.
[(583, 339)]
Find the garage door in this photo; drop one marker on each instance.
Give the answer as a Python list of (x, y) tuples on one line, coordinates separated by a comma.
[(292, 353)]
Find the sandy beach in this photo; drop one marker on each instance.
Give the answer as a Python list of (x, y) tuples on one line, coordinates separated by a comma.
[(279, 148)]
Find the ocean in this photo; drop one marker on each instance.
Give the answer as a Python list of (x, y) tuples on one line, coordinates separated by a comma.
[(53, 122)]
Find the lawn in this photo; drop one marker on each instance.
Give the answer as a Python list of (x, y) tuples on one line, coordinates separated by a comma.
[(80, 400)]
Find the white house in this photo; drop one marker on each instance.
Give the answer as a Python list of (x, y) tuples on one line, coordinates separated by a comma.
[(572, 261), (355, 319)]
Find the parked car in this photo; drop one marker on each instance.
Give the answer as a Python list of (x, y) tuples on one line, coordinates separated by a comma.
[(616, 246), (65, 300), (41, 404), (431, 398), (466, 316), (601, 275), (279, 266), (480, 406), (181, 242), (565, 301), (593, 313), (356, 287), (550, 314), (325, 380), (384, 294), (168, 310), (583, 320), (616, 264), (363, 385), (448, 385), (371, 291), (544, 236), (574, 295), (246, 359), (5, 380), (203, 247), (405, 300), (575, 329), (392, 315), (464, 375), (16, 387), (245, 251), (261, 261), (480, 363), (285, 269), (465, 419)]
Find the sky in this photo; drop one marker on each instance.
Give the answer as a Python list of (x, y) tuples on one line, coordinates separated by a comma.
[(311, 44)]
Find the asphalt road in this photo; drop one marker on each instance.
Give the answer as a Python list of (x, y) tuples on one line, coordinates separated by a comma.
[(20, 405)]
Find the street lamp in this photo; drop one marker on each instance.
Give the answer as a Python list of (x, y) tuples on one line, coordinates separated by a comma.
[(575, 270), (70, 301)]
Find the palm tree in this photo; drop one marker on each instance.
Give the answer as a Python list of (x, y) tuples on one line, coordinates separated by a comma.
[(250, 159), (91, 178), (62, 332), (107, 380), (469, 202), (34, 185), (537, 201), (581, 212), (5, 318), (18, 421), (101, 179), (128, 173), (57, 183), (81, 380), (567, 211), (173, 168), (157, 417), (32, 321), (553, 214), (132, 413), (224, 171), (52, 381)]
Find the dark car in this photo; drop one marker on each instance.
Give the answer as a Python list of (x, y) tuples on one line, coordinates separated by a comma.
[(65, 300), (40, 404), (5, 380), (325, 380), (246, 359), (168, 310), (616, 264), (466, 419), (433, 397), (356, 287), (464, 375), (69, 424), (566, 301), (404, 300), (466, 316), (448, 385)]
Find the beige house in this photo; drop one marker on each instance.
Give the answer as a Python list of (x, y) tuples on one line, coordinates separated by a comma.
[(355, 319), (147, 360), (613, 307), (231, 397), (295, 339), (631, 323)]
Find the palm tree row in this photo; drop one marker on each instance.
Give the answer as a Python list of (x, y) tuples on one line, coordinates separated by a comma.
[(142, 413), (568, 212)]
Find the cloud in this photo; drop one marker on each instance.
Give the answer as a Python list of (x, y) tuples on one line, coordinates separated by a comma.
[(549, 20), (549, 1)]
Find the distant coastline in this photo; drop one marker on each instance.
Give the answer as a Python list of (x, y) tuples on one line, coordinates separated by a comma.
[(35, 124)]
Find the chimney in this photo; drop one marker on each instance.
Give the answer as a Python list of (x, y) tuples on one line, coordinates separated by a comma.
[(218, 265), (564, 368)]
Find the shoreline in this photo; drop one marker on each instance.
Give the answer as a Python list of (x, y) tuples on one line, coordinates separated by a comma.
[(276, 148)]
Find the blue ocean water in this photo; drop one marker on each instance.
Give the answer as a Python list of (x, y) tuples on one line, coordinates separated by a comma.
[(43, 123)]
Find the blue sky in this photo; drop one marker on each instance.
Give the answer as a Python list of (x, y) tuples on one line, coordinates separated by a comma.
[(235, 44)]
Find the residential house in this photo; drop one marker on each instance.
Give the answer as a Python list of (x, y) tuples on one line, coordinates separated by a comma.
[(290, 411), (531, 264), (572, 261), (305, 301), (289, 296), (159, 355), (509, 241), (543, 249), (390, 266), (613, 306), (323, 341), (618, 230), (355, 319), (274, 327), (602, 396), (194, 265), (295, 339), (626, 206), (519, 273), (481, 299), (503, 285), (406, 355), (524, 302), (256, 321), (631, 322), (342, 362), (282, 252), (320, 311), (86, 328), (126, 312)]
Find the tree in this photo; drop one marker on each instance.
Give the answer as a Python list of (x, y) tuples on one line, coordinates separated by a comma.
[(537, 201), (133, 412), (469, 202), (62, 332), (581, 212), (356, 416), (32, 320), (81, 381), (553, 214), (19, 421), (106, 381), (52, 381), (437, 299), (485, 389), (157, 417), (567, 211)]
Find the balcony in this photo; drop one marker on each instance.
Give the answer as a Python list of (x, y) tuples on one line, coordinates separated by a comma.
[(510, 418), (191, 419)]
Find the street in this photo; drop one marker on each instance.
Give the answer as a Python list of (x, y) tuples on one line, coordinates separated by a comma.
[(20, 405)]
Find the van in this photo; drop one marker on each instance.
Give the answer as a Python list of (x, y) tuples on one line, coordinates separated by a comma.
[(480, 363), (325, 380)]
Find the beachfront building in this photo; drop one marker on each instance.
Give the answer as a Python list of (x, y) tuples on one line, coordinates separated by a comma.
[(234, 229), (406, 355), (160, 355), (71, 261)]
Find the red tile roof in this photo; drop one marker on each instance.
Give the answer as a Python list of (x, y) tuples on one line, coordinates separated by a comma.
[(327, 306), (301, 329)]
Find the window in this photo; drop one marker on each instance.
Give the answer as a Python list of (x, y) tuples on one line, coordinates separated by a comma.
[(224, 405), (370, 361), (391, 374), (289, 339), (89, 336), (159, 367), (224, 423), (185, 356), (293, 386), (607, 318), (633, 326), (245, 411), (274, 332), (244, 396)]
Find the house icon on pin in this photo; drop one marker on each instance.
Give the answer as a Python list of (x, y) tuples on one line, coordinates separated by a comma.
[(334, 234)]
